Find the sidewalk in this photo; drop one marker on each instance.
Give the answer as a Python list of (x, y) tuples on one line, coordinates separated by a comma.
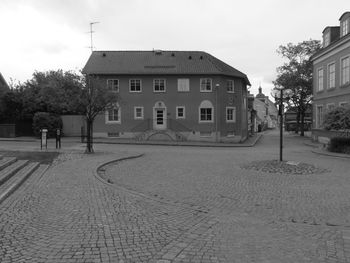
[(251, 141)]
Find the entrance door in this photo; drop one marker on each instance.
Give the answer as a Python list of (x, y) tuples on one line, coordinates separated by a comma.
[(159, 122)]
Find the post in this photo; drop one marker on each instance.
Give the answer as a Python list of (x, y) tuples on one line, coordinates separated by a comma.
[(216, 112), (58, 138), (43, 141), (281, 126)]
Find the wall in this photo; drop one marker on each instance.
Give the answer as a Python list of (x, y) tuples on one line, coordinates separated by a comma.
[(72, 124)]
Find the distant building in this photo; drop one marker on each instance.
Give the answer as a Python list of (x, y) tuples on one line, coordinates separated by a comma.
[(178, 95), (331, 70), (290, 119), (266, 112)]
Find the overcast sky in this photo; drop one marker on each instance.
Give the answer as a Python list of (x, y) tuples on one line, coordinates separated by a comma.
[(39, 35)]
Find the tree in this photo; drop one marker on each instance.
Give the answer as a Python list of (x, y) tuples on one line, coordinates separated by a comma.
[(296, 76), (96, 99)]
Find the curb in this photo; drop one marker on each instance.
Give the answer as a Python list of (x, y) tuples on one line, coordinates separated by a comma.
[(133, 192), (335, 155)]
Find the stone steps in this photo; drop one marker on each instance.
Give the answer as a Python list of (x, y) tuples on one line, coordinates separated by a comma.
[(13, 173)]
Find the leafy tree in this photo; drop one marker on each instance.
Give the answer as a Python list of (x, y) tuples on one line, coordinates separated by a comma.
[(96, 98), (296, 76), (46, 120)]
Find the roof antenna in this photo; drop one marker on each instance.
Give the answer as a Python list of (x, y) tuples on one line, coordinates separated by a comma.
[(91, 45)]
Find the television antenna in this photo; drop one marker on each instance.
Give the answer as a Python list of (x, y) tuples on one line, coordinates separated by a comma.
[(91, 43)]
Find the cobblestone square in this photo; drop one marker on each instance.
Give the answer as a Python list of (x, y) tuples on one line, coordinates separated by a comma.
[(167, 204)]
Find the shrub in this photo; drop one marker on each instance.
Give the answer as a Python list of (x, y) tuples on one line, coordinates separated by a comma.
[(48, 121), (337, 119), (339, 145)]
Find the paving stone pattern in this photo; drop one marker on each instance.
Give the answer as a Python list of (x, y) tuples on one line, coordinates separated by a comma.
[(179, 205)]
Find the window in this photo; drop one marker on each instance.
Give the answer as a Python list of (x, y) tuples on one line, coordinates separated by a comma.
[(159, 85), (330, 107), (113, 85), (138, 113), (345, 27), (326, 39), (113, 114), (230, 86), (205, 85), (183, 85), (206, 111), (345, 70), (319, 116), (344, 104), (230, 114), (320, 80), (180, 112), (135, 85), (331, 76)]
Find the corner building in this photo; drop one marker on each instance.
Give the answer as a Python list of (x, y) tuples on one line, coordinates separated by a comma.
[(331, 71), (170, 95)]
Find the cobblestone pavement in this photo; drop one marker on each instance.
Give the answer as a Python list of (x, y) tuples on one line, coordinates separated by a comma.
[(181, 204)]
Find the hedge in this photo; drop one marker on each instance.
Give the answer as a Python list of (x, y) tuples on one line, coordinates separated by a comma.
[(45, 120), (339, 145)]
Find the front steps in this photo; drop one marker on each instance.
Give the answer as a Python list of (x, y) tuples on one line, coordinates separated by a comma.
[(160, 135), (14, 172)]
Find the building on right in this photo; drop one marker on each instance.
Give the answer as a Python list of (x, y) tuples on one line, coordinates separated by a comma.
[(331, 70)]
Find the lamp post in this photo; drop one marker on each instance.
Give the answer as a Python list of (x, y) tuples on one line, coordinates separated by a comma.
[(280, 112), (281, 124)]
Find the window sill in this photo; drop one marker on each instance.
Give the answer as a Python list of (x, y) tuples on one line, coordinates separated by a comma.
[(135, 91), (113, 122), (159, 91), (205, 122), (228, 121), (346, 85), (206, 91)]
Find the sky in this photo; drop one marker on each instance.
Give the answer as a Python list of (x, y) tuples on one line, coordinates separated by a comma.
[(41, 35)]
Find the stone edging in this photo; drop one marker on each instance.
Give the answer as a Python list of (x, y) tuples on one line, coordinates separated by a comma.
[(169, 202)]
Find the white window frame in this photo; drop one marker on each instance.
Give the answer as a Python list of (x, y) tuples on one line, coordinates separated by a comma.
[(320, 80), (130, 81), (116, 106), (183, 85), (319, 119), (344, 80), (177, 112), (206, 104), (233, 120), (344, 104), (203, 86), (135, 113), (326, 39), (329, 105), (230, 87), (345, 27), (113, 87), (331, 76), (159, 80)]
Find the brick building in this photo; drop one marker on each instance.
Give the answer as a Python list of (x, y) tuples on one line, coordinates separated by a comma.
[(178, 95)]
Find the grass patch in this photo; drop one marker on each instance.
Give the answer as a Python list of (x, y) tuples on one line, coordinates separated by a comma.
[(42, 157)]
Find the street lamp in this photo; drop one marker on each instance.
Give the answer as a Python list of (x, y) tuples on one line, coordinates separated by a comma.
[(281, 91)]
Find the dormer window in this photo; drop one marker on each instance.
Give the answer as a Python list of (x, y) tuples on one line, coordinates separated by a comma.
[(326, 39), (344, 27)]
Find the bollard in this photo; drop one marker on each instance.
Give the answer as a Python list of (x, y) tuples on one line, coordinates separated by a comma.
[(43, 141)]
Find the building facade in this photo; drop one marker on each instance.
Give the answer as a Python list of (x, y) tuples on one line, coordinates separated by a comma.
[(177, 95), (331, 71)]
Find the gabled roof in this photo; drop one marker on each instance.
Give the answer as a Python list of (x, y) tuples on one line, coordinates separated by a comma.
[(158, 62), (3, 83)]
